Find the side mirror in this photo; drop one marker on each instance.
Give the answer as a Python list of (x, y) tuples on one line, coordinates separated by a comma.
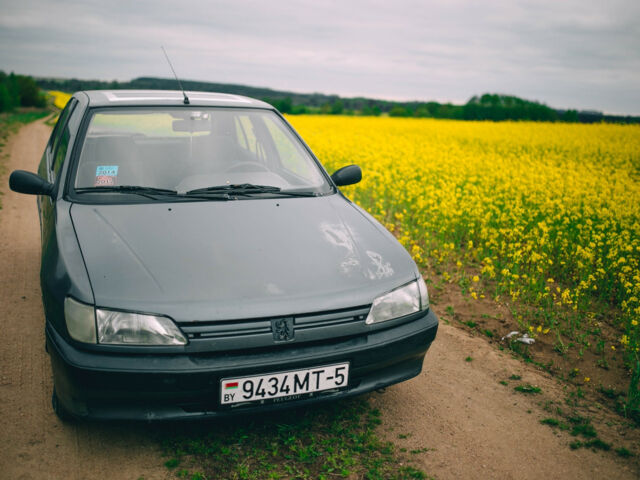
[(29, 183), (347, 175)]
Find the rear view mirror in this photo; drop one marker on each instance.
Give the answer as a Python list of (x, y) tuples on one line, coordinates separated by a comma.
[(26, 182), (347, 175), (197, 122)]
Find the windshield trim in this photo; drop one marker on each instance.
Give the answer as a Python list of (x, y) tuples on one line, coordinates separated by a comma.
[(70, 194)]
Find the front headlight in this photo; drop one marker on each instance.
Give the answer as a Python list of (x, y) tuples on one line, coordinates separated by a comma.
[(125, 328), (81, 320), (119, 328), (402, 301)]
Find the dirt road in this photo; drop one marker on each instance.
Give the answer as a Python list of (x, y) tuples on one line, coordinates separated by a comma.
[(470, 425), (33, 443)]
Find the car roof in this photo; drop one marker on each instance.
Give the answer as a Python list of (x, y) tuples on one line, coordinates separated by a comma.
[(109, 98)]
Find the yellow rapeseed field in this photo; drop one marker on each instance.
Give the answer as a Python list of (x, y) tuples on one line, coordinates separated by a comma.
[(549, 212), (60, 99)]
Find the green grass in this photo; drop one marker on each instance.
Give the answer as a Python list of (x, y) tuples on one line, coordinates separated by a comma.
[(585, 429), (550, 421), (418, 450), (623, 452), (336, 440), (581, 426), (10, 123), (526, 388), (553, 422), (595, 444)]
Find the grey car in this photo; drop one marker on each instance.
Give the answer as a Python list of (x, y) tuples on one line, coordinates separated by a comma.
[(197, 260)]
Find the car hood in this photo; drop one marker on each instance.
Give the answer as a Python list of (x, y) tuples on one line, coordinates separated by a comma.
[(204, 261)]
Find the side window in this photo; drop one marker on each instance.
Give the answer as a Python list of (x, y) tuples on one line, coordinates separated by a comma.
[(61, 151), (61, 138), (62, 121)]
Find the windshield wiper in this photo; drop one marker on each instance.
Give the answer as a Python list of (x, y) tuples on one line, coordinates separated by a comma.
[(149, 192), (248, 189), (136, 189), (235, 188)]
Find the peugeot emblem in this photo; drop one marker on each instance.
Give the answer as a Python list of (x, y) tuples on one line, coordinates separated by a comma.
[(282, 329)]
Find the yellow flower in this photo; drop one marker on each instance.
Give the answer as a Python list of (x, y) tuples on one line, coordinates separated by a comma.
[(474, 295), (539, 329), (520, 194), (587, 379), (476, 278), (545, 331), (60, 99)]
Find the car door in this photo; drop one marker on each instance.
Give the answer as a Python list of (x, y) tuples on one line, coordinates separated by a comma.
[(57, 154), (49, 168)]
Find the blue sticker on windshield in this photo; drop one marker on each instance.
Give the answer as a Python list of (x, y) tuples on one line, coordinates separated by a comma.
[(107, 171)]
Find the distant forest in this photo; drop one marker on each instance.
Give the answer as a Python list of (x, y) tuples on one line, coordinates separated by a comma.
[(494, 107), (19, 91)]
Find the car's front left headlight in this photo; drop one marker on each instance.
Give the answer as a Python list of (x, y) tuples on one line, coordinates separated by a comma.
[(126, 328), (402, 301)]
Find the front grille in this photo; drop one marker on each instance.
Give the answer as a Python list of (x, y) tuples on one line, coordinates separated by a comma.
[(339, 317), (225, 329), (255, 333)]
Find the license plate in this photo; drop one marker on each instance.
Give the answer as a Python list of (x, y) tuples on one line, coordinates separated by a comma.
[(283, 385)]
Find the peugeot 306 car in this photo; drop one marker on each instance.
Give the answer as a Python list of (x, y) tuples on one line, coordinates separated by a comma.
[(197, 260)]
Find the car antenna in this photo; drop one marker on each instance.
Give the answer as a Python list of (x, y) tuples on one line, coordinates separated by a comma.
[(186, 99)]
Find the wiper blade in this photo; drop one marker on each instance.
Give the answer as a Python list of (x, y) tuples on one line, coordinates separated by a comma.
[(149, 192), (248, 189), (126, 189), (236, 188)]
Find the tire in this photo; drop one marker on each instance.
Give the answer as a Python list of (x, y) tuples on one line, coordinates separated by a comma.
[(61, 412)]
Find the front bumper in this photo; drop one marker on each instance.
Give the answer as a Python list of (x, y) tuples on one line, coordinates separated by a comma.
[(164, 386)]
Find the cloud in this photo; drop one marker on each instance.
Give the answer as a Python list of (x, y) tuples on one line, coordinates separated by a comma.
[(569, 54)]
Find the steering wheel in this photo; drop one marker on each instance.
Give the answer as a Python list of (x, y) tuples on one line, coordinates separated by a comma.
[(246, 167)]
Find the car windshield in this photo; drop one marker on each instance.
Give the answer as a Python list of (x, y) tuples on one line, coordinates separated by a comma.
[(195, 148)]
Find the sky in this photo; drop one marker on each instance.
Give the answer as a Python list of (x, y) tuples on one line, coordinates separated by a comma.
[(582, 54)]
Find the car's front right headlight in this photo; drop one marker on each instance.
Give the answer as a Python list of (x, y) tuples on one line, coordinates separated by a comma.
[(128, 328), (88, 324), (81, 320), (402, 301)]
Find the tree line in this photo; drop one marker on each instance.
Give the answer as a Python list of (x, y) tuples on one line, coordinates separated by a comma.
[(19, 91), (494, 107)]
